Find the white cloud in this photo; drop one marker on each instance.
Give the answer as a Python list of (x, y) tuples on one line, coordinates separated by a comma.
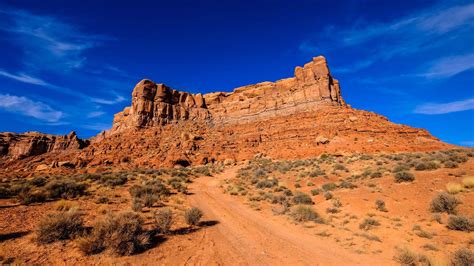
[(445, 108), (450, 66), (27, 107), (117, 99), (47, 42), (95, 114), (24, 78)]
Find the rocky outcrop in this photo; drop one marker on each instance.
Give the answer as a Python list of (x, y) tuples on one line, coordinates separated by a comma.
[(157, 104), (18, 146), (311, 87)]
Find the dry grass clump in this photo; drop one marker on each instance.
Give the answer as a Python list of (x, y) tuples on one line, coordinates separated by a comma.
[(163, 220), (443, 202), (327, 195), (468, 182), (454, 188), (121, 233), (406, 256), (302, 198), (59, 226), (461, 223), (463, 257), (380, 205), (304, 213), (404, 177), (368, 224), (193, 216)]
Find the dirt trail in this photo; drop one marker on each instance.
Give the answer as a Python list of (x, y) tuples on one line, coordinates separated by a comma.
[(243, 236)]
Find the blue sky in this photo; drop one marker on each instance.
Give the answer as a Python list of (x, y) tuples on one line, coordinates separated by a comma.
[(70, 65)]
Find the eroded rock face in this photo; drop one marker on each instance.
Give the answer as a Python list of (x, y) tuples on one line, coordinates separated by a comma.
[(157, 104), (17, 146)]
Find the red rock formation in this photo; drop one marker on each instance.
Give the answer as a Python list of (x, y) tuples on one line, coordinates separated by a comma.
[(297, 117), (18, 146)]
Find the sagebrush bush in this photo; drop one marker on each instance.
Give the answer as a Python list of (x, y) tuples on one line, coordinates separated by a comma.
[(329, 186), (65, 189), (327, 195), (59, 226), (368, 224), (463, 257), (404, 177), (380, 205), (193, 216), (468, 182), (422, 166), (121, 233), (407, 257), (454, 188), (304, 213), (164, 220), (461, 223), (302, 198), (443, 202)]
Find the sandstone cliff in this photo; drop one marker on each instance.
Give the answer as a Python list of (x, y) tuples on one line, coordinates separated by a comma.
[(19, 146)]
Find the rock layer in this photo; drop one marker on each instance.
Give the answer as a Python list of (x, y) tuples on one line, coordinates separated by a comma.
[(19, 146)]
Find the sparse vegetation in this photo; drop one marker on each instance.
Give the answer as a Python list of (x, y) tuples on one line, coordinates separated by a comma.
[(443, 202), (454, 188), (368, 224), (404, 177), (463, 257), (164, 220), (380, 205), (461, 223), (304, 213), (121, 233), (193, 216), (59, 226), (468, 182), (302, 198)]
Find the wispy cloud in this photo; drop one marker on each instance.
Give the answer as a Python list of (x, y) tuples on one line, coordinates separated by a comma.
[(46, 42), (449, 66), (24, 78), (117, 99), (95, 114), (468, 143), (445, 108), (27, 107), (425, 30)]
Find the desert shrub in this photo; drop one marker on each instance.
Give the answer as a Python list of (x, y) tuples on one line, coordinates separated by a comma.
[(317, 172), (380, 205), (329, 186), (332, 210), (463, 257), (304, 213), (401, 168), (340, 167), (122, 233), (38, 181), (408, 257), (461, 223), (302, 198), (450, 164), (310, 184), (65, 189), (259, 173), (59, 226), (468, 182), (193, 216), (163, 220), (315, 192), (347, 184), (437, 217), (443, 202), (327, 195), (404, 177), (32, 196), (376, 174), (63, 205), (113, 180), (267, 183), (454, 188), (422, 233), (202, 170), (152, 189), (137, 205), (336, 203), (102, 200), (368, 224), (422, 166)]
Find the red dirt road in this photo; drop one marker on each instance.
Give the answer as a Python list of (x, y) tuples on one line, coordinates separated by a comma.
[(247, 237)]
